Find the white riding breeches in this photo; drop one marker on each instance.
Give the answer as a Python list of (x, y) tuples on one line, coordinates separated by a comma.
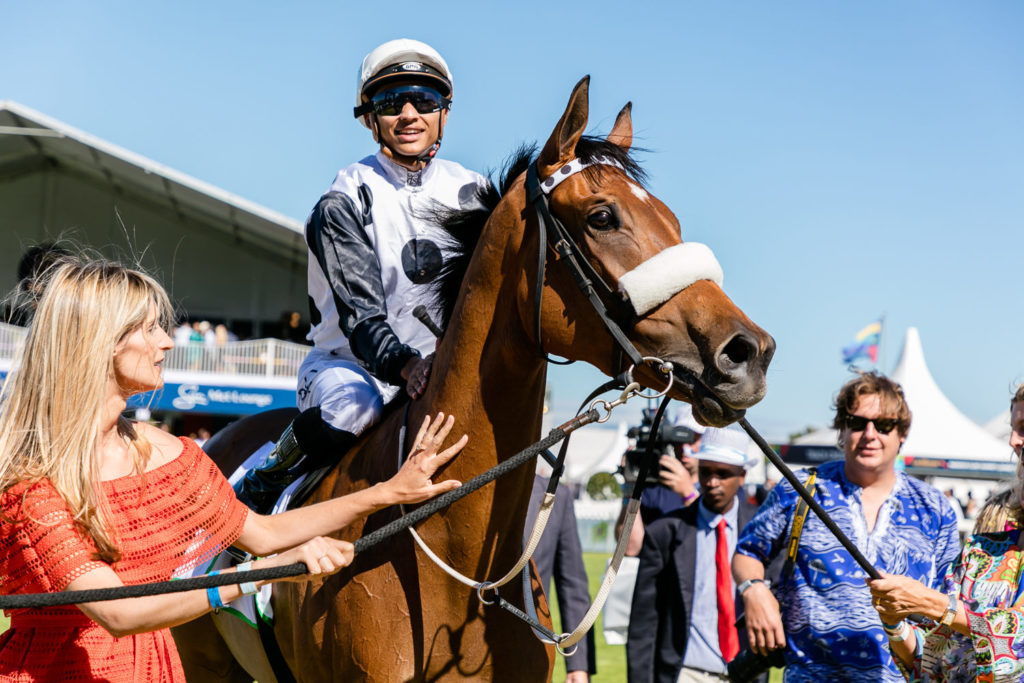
[(349, 398)]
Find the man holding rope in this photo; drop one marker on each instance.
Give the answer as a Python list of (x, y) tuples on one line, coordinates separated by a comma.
[(827, 623)]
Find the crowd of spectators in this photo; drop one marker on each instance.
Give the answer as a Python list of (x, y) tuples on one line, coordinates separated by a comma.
[(203, 332)]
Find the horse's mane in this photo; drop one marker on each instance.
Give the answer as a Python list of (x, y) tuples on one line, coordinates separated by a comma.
[(465, 226)]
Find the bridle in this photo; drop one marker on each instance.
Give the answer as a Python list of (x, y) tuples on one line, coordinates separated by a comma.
[(634, 299), (635, 296)]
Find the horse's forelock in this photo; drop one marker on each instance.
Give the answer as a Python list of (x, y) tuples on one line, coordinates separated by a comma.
[(589, 148)]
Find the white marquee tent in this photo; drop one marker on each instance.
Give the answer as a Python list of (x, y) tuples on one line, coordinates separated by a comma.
[(939, 429), (999, 426)]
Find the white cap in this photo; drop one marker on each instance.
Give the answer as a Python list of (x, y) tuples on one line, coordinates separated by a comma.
[(727, 445), (684, 418)]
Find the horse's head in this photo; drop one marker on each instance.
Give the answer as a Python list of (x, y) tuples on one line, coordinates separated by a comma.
[(666, 307)]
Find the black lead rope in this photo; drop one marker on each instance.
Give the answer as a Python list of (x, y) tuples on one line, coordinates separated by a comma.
[(34, 600), (568, 252)]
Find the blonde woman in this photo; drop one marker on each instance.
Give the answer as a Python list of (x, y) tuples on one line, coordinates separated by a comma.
[(93, 500), (976, 627)]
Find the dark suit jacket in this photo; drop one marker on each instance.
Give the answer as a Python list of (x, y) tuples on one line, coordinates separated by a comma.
[(659, 621), (560, 555)]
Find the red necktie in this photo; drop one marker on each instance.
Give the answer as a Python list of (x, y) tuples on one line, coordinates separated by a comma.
[(728, 640)]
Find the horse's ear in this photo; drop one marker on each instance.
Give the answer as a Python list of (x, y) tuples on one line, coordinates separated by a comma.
[(561, 146), (622, 131)]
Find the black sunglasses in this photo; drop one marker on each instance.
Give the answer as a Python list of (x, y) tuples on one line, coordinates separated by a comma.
[(883, 425), (391, 101)]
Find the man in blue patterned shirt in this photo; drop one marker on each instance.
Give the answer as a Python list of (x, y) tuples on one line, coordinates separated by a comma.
[(900, 524)]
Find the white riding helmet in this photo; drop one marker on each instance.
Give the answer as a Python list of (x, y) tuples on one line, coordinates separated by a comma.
[(402, 58)]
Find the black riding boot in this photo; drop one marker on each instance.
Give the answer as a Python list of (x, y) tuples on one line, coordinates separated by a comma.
[(261, 486), (307, 444)]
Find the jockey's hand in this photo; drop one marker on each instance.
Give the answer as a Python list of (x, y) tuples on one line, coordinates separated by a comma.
[(321, 555), (415, 373), (413, 483)]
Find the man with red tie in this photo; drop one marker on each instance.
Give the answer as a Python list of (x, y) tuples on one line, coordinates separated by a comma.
[(682, 626)]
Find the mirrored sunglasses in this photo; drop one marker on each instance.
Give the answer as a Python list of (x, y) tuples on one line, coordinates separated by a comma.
[(391, 101), (883, 425)]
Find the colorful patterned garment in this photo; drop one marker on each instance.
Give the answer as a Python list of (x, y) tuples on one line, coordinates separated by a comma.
[(987, 578), (179, 514), (832, 631)]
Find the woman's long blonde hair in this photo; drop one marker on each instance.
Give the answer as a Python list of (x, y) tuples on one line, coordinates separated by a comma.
[(52, 402)]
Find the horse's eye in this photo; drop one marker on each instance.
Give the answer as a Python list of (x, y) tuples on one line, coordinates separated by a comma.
[(603, 219)]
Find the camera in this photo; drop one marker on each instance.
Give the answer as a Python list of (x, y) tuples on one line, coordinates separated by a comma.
[(748, 665), (668, 436)]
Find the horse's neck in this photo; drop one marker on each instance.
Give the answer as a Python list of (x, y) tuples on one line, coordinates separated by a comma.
[(487, 367), (488, 374)]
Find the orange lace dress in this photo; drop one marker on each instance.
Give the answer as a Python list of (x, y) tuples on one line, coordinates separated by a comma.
[(168, 521)]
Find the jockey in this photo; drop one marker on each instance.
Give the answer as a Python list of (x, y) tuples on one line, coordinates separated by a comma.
[(372, 257)]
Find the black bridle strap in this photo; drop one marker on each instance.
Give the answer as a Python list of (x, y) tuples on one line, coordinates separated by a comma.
[(542, 255), (587, 279)]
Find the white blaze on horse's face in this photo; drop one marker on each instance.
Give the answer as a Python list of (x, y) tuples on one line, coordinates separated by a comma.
[(665, 274), (639, 192)]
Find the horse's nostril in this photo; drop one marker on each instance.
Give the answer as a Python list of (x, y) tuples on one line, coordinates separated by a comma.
[(736, 353)]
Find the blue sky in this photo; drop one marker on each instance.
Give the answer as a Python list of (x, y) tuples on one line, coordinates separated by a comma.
[(844, 160)]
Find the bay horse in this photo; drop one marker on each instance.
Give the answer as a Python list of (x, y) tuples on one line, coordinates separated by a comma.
[(393, 615)]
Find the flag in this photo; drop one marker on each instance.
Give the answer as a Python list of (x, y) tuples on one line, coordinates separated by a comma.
[(865, 344)]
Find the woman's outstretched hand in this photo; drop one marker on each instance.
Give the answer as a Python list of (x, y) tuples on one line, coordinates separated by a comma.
[(414, 483)]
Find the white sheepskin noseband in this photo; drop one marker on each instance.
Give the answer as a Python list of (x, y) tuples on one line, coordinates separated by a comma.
[(667, 273)]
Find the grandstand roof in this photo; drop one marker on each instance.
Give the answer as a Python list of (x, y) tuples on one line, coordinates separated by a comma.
[(30, 140)]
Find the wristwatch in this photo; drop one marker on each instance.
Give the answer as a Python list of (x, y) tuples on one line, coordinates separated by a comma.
[(950, 614), (748, 583)]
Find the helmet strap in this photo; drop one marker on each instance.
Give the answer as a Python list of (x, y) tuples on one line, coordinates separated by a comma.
[(417, 163)]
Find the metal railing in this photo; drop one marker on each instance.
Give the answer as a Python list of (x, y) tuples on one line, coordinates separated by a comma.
[(255, 358), (12, 338), (272, 358)]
